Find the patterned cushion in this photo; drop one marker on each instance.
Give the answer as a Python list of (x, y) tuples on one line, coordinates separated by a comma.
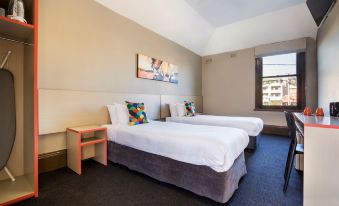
[(137, 113), (190, 108)]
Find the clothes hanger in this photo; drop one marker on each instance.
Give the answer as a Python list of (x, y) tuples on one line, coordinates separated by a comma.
[(5, 59)]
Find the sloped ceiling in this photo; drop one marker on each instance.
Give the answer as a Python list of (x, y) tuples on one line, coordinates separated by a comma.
[(222, 12), (209, 26)]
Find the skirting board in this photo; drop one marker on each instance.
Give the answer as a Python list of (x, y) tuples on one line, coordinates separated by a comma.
[(275, 130), (52, 161)]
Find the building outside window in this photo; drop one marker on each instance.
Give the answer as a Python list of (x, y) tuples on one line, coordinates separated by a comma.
[(279, 81)]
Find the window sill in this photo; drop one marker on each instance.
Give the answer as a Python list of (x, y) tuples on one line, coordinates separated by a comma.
[(277, 110)]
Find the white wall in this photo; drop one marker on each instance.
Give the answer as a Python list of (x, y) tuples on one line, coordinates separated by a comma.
[(328, 61), (91, 48)]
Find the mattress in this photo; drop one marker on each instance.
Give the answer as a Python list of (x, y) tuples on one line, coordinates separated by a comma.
[(252, 125), (215, 147)]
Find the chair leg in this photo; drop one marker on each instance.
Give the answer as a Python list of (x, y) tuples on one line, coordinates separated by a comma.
[(289, 170), (9, 174), (288, 159)]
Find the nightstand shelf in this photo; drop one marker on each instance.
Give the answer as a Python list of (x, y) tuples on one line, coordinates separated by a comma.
[(91, 140), (86, 142)]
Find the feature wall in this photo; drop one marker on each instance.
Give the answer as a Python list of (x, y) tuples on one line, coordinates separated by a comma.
[(86, 47)]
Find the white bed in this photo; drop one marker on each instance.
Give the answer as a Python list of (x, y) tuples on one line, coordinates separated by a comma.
[(252, 125), (215, 147)]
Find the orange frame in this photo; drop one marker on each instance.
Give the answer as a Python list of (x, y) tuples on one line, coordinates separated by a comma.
[(36, 98), (36, 107), (80, 145)]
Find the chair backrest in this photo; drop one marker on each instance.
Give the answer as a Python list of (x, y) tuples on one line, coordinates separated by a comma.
[(291, 125)]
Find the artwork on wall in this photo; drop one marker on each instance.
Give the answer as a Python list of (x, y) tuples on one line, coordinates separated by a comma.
[(156, 69)]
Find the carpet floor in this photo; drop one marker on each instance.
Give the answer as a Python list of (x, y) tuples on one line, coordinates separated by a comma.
[(116, 185)]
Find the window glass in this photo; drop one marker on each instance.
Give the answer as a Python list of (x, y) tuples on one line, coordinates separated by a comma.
[(280, 65)]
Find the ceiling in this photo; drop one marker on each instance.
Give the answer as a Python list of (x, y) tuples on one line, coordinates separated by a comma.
[(222, 12), (214, 26)]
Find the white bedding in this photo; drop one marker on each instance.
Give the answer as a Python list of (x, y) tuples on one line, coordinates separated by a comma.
[(252, 125), (215, 147)]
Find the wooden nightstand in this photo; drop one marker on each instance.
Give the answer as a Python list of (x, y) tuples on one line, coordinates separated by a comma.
[(86, 142)]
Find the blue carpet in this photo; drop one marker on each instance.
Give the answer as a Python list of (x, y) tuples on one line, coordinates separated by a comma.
[(116, 185)]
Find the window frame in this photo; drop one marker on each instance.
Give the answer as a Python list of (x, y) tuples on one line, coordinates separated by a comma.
[(300, 73)]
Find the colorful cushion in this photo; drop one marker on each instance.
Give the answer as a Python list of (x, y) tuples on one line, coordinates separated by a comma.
[(137, 113), (190, 109)]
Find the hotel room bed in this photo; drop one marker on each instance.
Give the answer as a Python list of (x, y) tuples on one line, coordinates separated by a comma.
[(207, 161), (252, 125)]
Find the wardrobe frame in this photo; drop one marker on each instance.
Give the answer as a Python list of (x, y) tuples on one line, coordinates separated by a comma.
[(26, 185)]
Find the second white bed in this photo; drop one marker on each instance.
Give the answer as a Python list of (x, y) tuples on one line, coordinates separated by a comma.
[(252, 125), (215, 147)]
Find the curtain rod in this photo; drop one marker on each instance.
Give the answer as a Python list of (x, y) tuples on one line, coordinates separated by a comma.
[(16, 41)]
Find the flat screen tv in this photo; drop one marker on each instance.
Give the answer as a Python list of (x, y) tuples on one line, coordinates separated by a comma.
[(319, 9)]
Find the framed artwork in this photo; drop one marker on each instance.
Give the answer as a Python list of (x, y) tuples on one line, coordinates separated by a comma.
[(156, 69)]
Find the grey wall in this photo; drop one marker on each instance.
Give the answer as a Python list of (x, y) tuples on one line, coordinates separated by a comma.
[(84, 46), (229, 80), (328, 60)]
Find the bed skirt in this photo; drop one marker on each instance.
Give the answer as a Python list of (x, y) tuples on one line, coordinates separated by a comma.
[(200, 180)]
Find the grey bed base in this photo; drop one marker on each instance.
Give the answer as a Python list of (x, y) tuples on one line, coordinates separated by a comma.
[(200, 180)]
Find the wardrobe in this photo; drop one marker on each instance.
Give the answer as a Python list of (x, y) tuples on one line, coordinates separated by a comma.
[(21, 41)]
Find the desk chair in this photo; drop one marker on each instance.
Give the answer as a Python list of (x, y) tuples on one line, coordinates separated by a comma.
[(294, 149)]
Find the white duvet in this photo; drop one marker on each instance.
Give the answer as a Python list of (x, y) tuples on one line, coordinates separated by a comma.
[(252, 125), (215, 147)]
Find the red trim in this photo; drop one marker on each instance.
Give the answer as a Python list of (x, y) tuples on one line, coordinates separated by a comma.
[(36, 100), (318, 121), (16, 22), (87, 131), (19, 199), (93, 130), (106, 146), (92, 142), (80, 145), (79, 153), (323, 126)]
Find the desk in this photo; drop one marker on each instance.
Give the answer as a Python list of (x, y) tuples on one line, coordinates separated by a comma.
[(321, 159)]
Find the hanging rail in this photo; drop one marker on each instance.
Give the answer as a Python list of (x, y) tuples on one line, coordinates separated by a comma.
[(16, 41)]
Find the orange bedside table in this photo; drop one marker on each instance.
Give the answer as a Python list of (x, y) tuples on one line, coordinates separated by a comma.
[(86, 142)]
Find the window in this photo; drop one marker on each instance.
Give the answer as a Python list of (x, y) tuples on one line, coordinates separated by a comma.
[(280, 81)]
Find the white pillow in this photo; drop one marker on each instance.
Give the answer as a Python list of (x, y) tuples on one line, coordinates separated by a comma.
[(181, 109), (122, 113), (173, 110), (112, 114)]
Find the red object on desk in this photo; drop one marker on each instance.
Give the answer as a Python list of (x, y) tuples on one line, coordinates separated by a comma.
[(319, 111), (308, 111)]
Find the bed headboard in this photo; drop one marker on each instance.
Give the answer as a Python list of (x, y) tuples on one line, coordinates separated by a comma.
[(170, 99), (59, 109)]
